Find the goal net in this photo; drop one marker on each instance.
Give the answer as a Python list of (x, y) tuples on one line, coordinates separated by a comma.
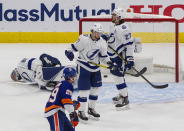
[(160, 47)]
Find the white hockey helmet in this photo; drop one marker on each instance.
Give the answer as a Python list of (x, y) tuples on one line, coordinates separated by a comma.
[(119, 12), (97, 27)]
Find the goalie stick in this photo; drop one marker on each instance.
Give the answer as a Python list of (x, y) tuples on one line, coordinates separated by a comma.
[(139, 73), (153, 85)]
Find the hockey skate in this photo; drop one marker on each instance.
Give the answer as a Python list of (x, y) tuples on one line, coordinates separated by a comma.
[(82, 117), (124, 105), (93, 114), (117, 99)]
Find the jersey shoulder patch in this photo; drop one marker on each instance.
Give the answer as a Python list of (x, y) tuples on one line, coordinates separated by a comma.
[(123, 27)]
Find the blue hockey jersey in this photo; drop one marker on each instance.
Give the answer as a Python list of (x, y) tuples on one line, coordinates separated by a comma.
[(60, 96)]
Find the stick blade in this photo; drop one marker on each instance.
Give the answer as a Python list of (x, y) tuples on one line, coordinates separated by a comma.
[(160, 86)]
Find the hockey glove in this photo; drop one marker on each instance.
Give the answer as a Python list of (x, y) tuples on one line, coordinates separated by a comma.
[(130, 62), (76, 104), (69, 54), (74, 118), (105, 37), (112, 66)]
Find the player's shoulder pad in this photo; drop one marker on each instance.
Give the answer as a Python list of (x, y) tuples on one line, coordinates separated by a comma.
[(82, 38)]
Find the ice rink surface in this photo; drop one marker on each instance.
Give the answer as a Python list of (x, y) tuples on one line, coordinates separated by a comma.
[(22, 106)]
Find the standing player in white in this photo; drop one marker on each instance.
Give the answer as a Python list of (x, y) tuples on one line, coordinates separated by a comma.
[(120, 39), (94, 49)]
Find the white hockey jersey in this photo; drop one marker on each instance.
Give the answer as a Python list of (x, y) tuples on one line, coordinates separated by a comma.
[(27, 69), (90, 50), (120, 39)]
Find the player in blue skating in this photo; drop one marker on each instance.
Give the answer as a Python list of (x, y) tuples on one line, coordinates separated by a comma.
[(30, 69), (91, 48), (60, 101)]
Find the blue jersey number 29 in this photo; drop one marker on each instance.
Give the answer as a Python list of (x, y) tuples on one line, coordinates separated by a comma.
[(53, 95)]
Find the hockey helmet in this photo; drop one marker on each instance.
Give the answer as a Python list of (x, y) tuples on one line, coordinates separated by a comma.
[(97, 27), (119, 12), (69, 72), (15, 75)]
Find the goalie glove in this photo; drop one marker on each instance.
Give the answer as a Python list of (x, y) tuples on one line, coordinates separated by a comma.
[(74, 118), (130, 62), (69, 54)]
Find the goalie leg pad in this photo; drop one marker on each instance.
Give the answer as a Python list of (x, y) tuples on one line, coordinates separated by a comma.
[(49, 73)]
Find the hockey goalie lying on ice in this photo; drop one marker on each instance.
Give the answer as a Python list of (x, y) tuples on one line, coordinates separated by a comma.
[(46, 71)]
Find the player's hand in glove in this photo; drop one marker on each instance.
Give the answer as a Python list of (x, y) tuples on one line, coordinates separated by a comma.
[(105, 37), (130, 62), (69, 54), (76, 104), (74, 118), (112, 66)]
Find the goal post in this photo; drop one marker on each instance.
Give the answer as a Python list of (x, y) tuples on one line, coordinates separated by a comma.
[(139, 19)]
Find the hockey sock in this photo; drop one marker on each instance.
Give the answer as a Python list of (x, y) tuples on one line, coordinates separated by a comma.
[(92, 101), (122, 88)]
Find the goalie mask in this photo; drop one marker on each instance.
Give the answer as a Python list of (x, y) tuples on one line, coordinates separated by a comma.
[(15, 75)]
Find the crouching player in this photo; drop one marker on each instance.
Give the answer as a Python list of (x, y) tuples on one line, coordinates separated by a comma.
[(61, 100), (30, 69)]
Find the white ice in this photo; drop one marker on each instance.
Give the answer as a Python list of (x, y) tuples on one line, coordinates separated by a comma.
[(22, 106)]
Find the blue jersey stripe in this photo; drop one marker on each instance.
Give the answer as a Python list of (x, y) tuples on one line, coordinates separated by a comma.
[(73, 47), (30, 63), (123, 45)]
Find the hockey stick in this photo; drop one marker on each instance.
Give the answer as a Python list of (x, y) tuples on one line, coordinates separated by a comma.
[(135, 75), (106, 67), (21, 83), (153, 85)]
